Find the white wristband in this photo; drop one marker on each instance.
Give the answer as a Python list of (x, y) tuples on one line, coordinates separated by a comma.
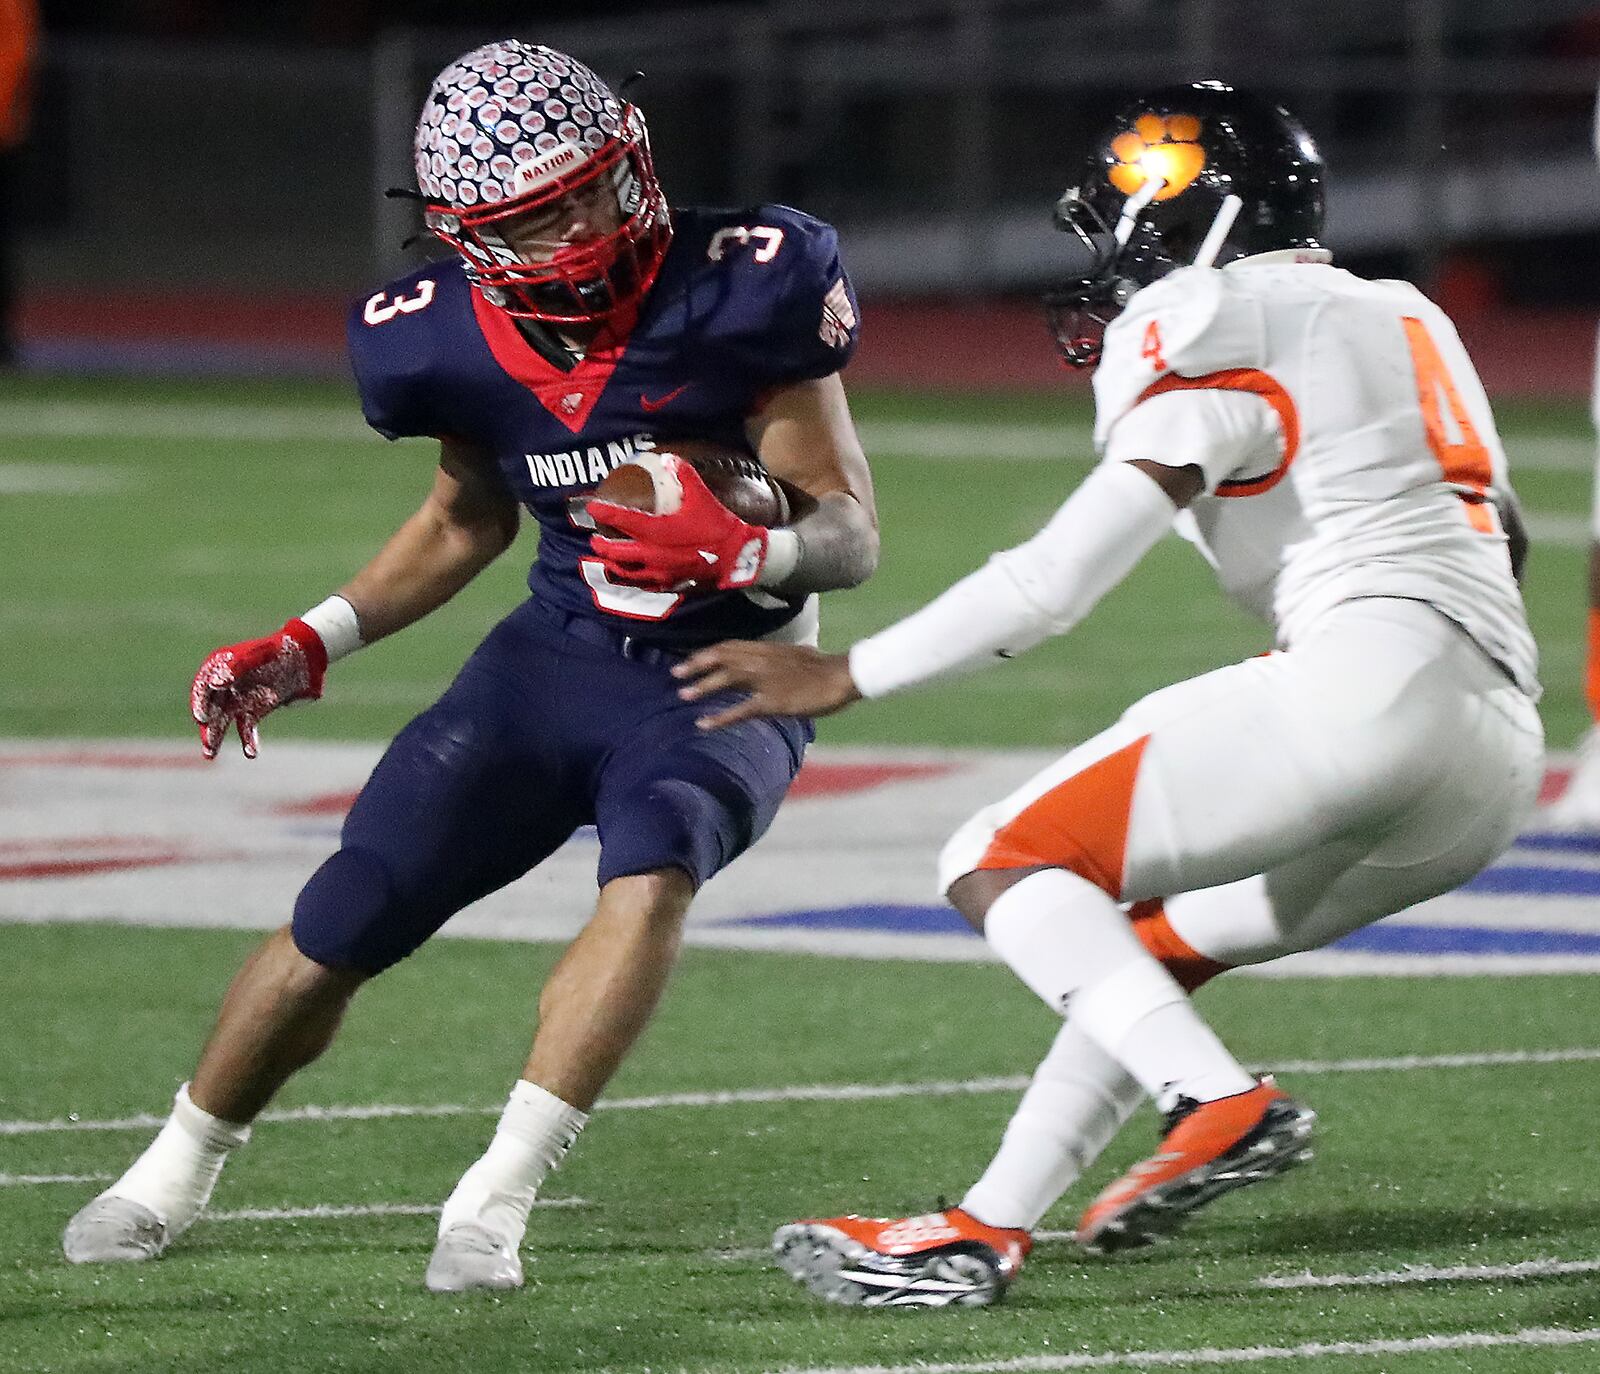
[(336, 625), (783, 557)]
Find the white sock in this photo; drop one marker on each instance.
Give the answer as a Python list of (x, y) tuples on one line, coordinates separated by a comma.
[(1142, 1018), (175, 1175), (535, 1132), (1077, 1102), (1075, 947)]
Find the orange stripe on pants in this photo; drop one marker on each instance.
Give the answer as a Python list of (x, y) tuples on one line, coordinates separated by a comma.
[(1080, 824), (1190, 968), (1591, 676)]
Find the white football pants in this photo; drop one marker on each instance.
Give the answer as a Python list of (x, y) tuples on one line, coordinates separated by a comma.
[(1280, 803)]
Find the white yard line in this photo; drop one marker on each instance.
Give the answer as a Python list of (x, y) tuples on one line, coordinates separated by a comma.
[(31, 479), (926, 440), (959, 439), (1429, 1273), (1552, 1336), (332, 1212), (1489, 1059), (34, 1180), (1383, 1278), (162, 422), (1569, 531), (819, 1092)]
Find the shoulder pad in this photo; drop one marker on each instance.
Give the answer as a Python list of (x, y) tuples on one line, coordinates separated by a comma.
[(1192, 323), (788, 310), (796, 226), (396, 340)]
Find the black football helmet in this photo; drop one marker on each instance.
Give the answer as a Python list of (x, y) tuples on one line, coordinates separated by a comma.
[(1198, 174)]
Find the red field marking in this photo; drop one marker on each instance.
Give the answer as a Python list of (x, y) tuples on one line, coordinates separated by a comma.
[(96, 758), (328, 804), (815, 780), (75, 856), (77, 868), (1554, 784), (839, 779), (54, 844)]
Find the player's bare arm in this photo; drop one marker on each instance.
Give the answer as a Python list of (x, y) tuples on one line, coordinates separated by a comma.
[(805, 437), (780, 679), (1042, 587), (467, 521)]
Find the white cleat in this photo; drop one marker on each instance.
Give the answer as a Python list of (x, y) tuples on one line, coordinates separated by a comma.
[(114, 1230), (470, 1256)]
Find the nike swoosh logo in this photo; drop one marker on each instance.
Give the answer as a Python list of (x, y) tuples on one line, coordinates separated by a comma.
[(652, 406)]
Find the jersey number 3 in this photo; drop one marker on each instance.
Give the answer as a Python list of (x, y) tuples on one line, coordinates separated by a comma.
[(1451, 435), (380, 310), (767, 240), (633, 603)]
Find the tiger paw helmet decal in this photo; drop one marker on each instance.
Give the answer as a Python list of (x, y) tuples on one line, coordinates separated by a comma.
[(1165, 147), (1192, 175)]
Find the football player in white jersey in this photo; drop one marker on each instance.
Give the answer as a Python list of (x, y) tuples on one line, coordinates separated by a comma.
[(1326, 444), (1578, 808)]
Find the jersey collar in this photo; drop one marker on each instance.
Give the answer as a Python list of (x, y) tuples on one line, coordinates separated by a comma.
[(569, 396)]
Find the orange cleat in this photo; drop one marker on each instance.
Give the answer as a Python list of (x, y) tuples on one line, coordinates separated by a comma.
[(937, 1260), (1207, 1149)]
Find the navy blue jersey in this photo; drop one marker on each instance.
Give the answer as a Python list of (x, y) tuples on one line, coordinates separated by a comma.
[(745, 301)]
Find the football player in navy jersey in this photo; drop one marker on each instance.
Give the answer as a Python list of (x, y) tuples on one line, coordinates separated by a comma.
[(578, 324)]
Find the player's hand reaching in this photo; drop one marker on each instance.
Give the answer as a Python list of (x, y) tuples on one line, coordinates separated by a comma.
[(243, 682), (701, 543), (781, 680)]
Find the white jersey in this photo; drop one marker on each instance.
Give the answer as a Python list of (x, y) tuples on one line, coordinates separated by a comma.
[(1346, 442)]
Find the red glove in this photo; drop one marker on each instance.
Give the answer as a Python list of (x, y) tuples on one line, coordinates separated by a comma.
[(243, 682), (702, 543)]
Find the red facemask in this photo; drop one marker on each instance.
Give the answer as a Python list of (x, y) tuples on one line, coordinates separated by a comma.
[(587, 282)]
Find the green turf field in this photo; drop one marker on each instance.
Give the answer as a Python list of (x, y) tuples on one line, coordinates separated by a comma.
[(662, 1269), (187, 542), (143, 523)]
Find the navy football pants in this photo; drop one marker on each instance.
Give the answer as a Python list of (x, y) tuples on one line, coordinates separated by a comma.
[(541, 732)]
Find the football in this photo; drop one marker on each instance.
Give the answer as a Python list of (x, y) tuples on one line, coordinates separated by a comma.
[(735, 477)]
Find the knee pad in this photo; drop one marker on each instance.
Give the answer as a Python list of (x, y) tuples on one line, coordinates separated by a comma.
[(349, 915)]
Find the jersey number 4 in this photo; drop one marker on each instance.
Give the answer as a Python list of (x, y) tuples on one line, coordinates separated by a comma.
[(1451, 435), (1150, 348)]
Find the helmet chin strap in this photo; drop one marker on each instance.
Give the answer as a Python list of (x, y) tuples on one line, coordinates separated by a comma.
[(1217, 234)]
